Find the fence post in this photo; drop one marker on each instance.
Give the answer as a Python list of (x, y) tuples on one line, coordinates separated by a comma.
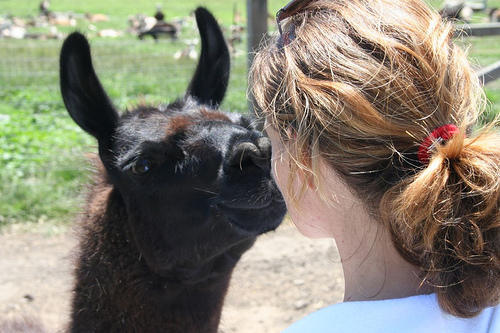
[(477, 29), (257, 29), (489, 73)]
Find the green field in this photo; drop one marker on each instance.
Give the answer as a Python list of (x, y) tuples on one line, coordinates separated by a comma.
[(42, 152)]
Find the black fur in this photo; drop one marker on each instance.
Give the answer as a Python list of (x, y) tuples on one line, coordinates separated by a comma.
[(210, 80), (183, 193), (83, 95)]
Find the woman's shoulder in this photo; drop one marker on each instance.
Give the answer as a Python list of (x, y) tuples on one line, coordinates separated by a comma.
[(411, 314)]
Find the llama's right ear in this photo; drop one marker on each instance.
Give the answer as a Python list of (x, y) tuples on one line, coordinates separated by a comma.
[(83, 95), (210, 80)]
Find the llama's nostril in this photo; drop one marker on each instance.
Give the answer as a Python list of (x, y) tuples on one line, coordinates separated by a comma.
[(247, 154)]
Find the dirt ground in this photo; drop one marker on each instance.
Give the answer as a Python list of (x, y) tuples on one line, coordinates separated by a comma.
[(281, 279)]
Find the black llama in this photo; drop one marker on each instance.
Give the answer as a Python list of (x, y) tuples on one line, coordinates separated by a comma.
[(183, 192)]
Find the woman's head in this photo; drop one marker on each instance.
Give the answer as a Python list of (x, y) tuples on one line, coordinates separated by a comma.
[(358, 88)]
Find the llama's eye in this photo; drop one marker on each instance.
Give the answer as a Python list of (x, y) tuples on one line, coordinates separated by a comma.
[(141, 166)]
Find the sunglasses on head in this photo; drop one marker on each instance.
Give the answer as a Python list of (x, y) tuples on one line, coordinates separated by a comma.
[(290, 9)]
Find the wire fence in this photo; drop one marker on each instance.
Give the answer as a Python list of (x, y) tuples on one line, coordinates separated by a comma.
[(43, 153), (131, 71), (29, 63)]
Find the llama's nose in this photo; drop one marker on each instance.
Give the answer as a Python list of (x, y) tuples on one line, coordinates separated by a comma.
[(249, 154)]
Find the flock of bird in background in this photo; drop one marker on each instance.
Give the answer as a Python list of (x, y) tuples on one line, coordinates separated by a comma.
[(463, 10), (139, 25), (156, 26)]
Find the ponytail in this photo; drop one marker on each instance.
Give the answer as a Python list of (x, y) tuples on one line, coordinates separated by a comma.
[(445, 220)]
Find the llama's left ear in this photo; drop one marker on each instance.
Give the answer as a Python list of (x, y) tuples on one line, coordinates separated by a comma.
[(209, 83), (84, 97)]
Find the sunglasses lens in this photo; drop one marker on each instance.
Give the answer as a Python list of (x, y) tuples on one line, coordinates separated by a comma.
[(292, 8)]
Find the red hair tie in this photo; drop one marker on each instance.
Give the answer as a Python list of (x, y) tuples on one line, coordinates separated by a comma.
[(438, 136)]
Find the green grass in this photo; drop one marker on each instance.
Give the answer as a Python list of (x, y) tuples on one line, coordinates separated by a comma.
[(41, 149), (42, 152)]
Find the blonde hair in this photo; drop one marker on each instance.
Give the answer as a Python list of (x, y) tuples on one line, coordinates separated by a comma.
[(361, 86)]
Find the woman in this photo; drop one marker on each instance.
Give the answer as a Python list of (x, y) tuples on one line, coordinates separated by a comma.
[(372, 113)]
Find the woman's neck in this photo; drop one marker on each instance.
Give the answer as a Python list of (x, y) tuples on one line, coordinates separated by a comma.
[(373, 268)]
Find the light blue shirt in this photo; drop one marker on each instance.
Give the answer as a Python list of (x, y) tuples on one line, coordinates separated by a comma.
[(416, 314)]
